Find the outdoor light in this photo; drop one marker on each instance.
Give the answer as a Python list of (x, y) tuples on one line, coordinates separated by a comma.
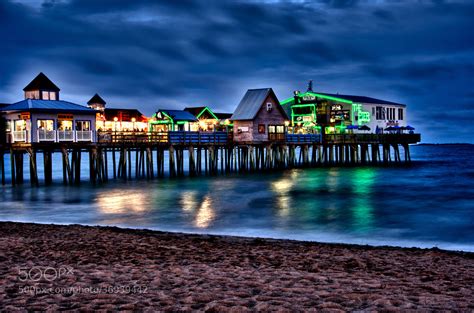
[(115, 119), (134, 120), (287, 123)]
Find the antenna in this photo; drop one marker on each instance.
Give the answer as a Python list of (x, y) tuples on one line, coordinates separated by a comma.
[(310, 86)]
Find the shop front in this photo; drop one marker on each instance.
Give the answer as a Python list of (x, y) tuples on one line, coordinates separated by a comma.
[(39, 122), (171, 120)]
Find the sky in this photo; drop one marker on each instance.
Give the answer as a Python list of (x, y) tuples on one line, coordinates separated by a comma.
[(148, 54)]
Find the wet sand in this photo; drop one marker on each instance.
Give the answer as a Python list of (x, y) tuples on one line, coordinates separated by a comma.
[(51, 267)]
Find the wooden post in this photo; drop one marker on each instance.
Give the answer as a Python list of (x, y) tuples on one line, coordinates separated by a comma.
[(113, 163), (92, 172), (2, 165), (48, 167), (33, 167), (12, 167), (171, 162), (77, 167), (129, 156)]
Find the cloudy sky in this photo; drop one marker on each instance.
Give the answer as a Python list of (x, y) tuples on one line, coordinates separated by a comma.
[(147, 55)]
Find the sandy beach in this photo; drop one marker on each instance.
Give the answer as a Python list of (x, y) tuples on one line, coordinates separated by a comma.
[(51, 267)]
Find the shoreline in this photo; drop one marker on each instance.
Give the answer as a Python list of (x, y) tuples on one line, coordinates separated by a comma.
[(439, 246), (216, 272)]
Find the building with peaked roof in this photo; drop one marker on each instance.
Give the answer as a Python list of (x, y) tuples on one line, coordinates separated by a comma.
[(208, 120), (259, 117), (117, 119), (171, 120), (333, 113), (42, 117), (97, 103), (41, 88)]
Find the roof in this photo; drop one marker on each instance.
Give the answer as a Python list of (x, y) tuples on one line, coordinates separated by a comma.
[(96, 99), (47, 105), (223, 116), (194, 110), (179, 115), (2, 105), (41, 82), (199, 111), (341, 98), (251, 104), (124, 115), (359, 99)]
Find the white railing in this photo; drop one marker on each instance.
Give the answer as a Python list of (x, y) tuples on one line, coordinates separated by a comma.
[(83, 135), (46, 135), (19, 136), (65, 135)]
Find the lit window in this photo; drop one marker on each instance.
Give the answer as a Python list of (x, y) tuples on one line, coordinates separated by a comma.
[(45, 95)]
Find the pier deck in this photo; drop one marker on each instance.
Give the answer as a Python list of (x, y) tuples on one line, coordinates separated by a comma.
[(205, 153)]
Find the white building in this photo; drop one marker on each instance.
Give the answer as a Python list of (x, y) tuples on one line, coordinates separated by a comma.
[(375, 113), (42, 117)]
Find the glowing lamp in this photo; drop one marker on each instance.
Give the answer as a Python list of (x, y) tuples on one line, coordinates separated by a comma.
[(134, 120), (115, 119)]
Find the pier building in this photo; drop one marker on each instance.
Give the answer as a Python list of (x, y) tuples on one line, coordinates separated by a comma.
[(42, 117), (259, 117), (337, 113)]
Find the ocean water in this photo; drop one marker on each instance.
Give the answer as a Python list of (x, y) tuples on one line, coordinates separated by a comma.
[(428, 204)]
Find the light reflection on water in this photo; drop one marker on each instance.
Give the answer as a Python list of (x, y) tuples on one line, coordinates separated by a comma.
[(424, 205)]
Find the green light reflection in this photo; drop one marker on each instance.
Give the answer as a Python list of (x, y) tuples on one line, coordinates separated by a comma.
[(362, 211)]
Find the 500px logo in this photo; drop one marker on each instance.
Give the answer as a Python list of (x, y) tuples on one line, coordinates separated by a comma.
[(48, 273)]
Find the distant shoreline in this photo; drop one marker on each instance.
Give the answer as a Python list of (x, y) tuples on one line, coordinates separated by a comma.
[(444, 144), (174, 271)]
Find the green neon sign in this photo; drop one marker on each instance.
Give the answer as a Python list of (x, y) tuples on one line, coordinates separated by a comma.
[(208, 110)]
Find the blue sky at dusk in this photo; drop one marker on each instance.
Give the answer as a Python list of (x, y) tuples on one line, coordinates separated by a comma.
[(148, 54)]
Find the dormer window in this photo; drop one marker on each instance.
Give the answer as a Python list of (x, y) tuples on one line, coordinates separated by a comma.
[(42, 88), (48, 95)]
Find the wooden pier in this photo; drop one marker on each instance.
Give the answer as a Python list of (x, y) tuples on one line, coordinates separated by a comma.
[(205, 153)]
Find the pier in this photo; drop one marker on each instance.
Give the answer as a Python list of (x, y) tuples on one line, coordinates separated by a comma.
[(150, 155)]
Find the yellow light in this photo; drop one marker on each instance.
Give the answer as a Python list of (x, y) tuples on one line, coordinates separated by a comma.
[(287, 123), (134, 120), (115, 119), (202, 124), (205, 214)]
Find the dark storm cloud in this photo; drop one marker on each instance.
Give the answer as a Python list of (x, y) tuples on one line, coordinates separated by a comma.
[(149, 54)]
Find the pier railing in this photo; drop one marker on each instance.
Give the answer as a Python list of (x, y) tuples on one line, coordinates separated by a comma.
[(174, 137), (303, 138), (372, 138)]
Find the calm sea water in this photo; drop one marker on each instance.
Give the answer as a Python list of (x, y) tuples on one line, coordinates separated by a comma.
[(430, 203)]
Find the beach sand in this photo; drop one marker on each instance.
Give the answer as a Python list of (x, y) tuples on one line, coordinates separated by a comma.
[(105, 268)]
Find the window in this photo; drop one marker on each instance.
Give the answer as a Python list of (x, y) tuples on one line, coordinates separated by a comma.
[(83, 125), (379, 113), (373, 111), (52, 96), (400, 114), (45, 95), (45, 124), (19, 125), (280, 129), (271, 129), (64, 125), (261, 128), (392, 114)]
